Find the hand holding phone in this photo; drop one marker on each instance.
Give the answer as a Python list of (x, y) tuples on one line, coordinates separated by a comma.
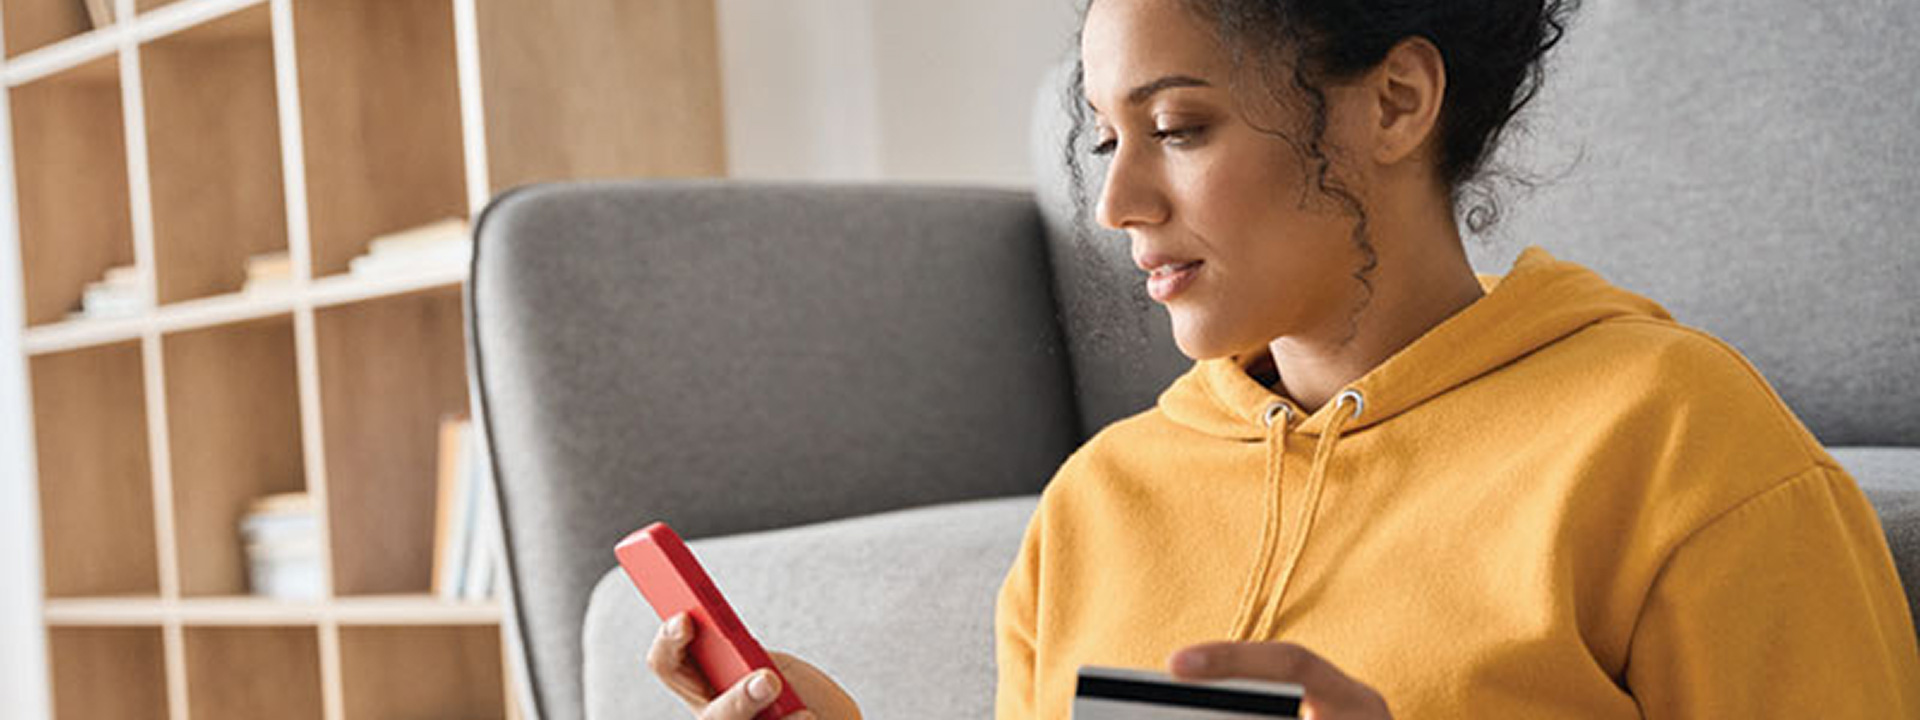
[(672, 581)]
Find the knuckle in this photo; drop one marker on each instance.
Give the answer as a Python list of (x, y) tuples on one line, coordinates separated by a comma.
[(1292, 660), (660, 659)]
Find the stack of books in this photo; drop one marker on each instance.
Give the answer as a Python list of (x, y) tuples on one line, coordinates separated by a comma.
[(268, 272), (466, 540), (443, 244), (282, 537), (118, 294)]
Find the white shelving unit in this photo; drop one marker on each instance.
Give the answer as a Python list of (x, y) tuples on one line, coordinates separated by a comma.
[(194, 134)]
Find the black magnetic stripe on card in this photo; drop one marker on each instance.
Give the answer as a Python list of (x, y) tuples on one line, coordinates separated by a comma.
[(1188, 696)]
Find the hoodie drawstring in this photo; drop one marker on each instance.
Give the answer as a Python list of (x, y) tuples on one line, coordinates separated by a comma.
[(1303, 524), (1278, 417)]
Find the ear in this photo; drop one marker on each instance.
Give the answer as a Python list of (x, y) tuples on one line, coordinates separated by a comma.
[(1410, 86)]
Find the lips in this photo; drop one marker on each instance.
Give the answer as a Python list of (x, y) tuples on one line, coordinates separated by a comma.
[(1172, 268), (1168, 276)]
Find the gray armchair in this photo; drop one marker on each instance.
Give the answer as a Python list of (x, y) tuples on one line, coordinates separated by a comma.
[(848, 396)]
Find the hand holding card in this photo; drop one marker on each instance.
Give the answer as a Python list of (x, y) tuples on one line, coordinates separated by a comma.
[(1329, 693)]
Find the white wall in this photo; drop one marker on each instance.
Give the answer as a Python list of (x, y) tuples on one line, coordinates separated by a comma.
[(898, 90)]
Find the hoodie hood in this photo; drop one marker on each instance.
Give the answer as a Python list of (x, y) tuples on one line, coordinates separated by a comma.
[(1538, 302)]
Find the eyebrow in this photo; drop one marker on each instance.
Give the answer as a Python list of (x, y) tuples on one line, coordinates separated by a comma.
[(1140, 94)]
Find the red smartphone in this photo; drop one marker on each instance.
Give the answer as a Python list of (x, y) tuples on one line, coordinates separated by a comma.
[(673, 582)]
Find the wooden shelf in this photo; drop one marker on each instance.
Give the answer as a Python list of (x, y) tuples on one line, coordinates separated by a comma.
[(96, 501), (394, 673), (252, 610), (197, 134), (34, 24), (107, 672), (236, 307), (243, 673), (237, 438), (368, 172), (381, 413), (213, 142), (70, 151)]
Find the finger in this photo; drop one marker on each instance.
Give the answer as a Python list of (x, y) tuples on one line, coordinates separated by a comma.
[(667, 658), (746, 698), (1280, 662)]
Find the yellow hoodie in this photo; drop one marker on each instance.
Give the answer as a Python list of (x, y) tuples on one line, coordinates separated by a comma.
[(1558, 503)]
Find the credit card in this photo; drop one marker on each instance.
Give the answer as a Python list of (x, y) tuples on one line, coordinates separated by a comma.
[(1105, 693)]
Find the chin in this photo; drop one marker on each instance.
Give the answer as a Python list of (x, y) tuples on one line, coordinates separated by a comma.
[(1197, 344)]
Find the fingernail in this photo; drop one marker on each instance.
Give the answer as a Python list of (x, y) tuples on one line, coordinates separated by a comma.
[(762, 686), (1189, 663), (677, 626)]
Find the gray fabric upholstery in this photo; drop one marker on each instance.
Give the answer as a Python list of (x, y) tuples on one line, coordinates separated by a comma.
[(898, 608), (732, 357), (1754, 166), (1891, 479)]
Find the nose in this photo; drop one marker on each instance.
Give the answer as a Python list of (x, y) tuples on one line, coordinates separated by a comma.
[(1131, 195)]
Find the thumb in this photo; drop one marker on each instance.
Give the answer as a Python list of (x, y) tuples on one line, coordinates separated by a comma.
[(1325, 686), (746, 698)]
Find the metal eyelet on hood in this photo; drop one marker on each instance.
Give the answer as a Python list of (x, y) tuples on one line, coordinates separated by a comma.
[(1359, 402), (1276, 409)]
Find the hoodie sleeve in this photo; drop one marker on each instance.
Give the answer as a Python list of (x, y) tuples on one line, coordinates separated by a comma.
[(1015, 628), (1787, 605)]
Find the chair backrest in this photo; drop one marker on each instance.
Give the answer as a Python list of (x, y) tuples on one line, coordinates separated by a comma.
[(738, 357), (1754, 166)]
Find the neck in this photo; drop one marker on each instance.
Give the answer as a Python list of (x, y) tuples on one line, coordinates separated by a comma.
[(1422, 279)]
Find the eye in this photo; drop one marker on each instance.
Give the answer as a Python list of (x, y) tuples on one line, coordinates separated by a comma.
[(1170, 137), (1179, 137)]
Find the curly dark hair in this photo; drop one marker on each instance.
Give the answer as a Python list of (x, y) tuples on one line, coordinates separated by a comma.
[(1492, 51)]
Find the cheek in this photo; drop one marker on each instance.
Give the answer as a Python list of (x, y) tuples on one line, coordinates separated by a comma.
[(1245, 203)]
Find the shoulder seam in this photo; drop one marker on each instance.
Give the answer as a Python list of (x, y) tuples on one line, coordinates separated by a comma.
[(1781, 415)]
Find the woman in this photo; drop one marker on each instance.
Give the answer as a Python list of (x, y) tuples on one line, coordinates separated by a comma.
[(1408, 489)]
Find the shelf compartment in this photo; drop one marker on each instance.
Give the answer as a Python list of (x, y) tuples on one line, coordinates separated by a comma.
[(71, 164), (371, 171), (34, 24), (142, 6), (233, 414), (398, 672), (213, 129), (107, 673), (253, 672), (96, 488), (390, 369), (642, 95)]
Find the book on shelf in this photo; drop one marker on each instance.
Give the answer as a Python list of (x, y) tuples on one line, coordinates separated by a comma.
[(117, 294), (267, 272), (466, 540), (447, 243), (100, 12), (281, 534)]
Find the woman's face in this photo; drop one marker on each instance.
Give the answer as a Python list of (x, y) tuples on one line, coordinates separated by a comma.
[(1240, 245)]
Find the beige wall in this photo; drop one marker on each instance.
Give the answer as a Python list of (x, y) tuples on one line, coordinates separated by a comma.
[(912, 90)]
